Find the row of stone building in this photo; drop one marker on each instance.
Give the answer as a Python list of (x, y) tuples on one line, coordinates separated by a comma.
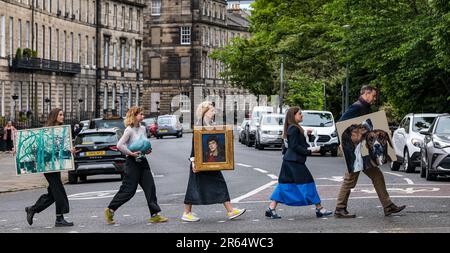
[(96, 58)]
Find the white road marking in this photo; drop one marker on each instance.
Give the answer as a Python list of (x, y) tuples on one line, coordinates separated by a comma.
[(359, 217), (95, 195), (434, 216), (73, 232), (395, 174), (409, 181), (255, 220), (324, 218), (236, 200), (15, 229), (272, 176), (126, 215), (374, 232), (94, 216), (81, 226), (333, 178), (291, 219), (409, 190), (221, 221), (260, 170), (3, 220), (116, 225), (178, 194), (48, 227), (218, 211), (243, 165)]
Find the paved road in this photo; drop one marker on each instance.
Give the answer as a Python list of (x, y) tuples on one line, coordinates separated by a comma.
[(250, 186)]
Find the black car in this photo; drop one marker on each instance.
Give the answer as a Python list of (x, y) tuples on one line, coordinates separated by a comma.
[(98, 154)]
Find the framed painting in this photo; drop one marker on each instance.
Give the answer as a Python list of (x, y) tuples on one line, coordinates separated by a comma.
[(43, 150), (366, 141), (214, 148)]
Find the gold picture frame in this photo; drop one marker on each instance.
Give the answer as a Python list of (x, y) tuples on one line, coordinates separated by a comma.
[(214, 148)]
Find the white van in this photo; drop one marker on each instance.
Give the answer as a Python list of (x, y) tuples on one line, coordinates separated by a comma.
[(252, 126), (322, 123)]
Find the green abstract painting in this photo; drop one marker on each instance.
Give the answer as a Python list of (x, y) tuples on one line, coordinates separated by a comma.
[(41, 150)]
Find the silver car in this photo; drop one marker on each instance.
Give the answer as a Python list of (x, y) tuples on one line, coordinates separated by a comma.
[(435, 149), (169, 125), (269, 131)]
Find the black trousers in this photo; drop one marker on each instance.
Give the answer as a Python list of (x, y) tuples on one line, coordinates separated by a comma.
[(56, 194), (136, 173)]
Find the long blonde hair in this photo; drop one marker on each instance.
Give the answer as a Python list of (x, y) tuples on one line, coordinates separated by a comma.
[(202, 108), (130, 118)]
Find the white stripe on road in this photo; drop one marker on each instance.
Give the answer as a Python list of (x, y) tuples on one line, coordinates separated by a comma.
[(243, 165), (272, 176), (260, 170), (395, 174), (236, 200), (409, 181)]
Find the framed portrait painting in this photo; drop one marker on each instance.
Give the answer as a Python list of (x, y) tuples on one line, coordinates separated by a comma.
[(43, 150), (366, 141), (214, 148)]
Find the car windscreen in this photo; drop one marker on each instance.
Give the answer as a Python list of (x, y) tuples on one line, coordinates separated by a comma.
[(420, 123), (317, 119), (110, 124), (95, 138), (166, 121), (443, 126), (273, 121)]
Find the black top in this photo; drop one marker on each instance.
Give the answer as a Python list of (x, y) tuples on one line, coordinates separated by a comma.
[(297, 146), (357, 109)]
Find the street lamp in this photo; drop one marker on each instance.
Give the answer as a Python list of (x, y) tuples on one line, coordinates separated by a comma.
[(47, 103), (14, 97), (80, 101), (157, 107), (346, 90)]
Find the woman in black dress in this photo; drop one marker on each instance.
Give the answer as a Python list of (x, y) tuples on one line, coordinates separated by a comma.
[(9, 131), (206, 187), (296, 185)]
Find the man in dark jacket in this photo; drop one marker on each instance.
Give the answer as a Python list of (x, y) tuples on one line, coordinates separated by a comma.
[(361, 107)]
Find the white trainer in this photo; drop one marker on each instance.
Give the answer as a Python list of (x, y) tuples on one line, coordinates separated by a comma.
[(236, 213), (191, 217)]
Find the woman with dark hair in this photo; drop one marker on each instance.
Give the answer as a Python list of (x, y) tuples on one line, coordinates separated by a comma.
[(56, 192), (135, 144), (206, 187), (296, 185)]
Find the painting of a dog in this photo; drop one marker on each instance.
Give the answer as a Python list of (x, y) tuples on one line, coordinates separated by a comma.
[(365, 141)]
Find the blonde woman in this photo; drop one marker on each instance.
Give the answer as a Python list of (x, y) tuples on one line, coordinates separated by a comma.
[(206, 187), (135, 145)]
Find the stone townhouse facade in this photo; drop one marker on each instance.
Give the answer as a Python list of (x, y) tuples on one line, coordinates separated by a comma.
[(86, 60), (179, 37)]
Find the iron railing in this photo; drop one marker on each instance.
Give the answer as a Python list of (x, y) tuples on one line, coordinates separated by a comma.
[(33, 64)]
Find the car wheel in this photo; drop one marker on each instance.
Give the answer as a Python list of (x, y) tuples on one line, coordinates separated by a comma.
[(249, 144), (395, 166), (334, 152), (409, 167), (73, 178), (323, 152), (428, 175)]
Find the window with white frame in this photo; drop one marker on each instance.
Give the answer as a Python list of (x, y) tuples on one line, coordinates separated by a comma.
[(156, 7), (138, 56), (130, 57), (122, 55), (11, 35), (2, 36), (114, 55), (185, 102), (106, 53), (185, 35), (27, 34)]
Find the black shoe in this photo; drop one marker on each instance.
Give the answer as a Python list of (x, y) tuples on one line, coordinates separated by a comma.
[(392, 208), (30, 214), (61, 222), (343, 213), (270, 213)]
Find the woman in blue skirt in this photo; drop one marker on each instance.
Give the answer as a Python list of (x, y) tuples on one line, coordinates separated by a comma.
[(296, 185)]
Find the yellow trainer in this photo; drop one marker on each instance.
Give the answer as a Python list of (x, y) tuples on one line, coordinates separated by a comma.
[(158, 219), (109, 216)]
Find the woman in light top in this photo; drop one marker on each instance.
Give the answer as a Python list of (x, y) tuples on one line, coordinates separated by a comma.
[(135, 145)]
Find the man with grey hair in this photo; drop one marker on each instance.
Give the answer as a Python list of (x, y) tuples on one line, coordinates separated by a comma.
[(368, 96)]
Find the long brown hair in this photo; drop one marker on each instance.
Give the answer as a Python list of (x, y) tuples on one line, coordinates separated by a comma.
[(290, 120), (52, 117)]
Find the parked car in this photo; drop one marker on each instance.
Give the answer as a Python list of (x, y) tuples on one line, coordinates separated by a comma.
[(241, 130), (405, 137), (152, 126), (98, 154), (270, 131), (250, 129), (169, 125), (435, 149), (322, 123)]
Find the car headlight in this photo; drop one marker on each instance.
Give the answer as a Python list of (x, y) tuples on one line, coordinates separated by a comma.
[(334, 134), (416, 141), (439, 144)]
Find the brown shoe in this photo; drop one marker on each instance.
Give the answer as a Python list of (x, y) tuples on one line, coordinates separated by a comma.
[(392, 208), (343, 213)]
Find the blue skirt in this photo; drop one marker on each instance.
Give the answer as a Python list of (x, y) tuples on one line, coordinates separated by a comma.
[(296, 194)]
